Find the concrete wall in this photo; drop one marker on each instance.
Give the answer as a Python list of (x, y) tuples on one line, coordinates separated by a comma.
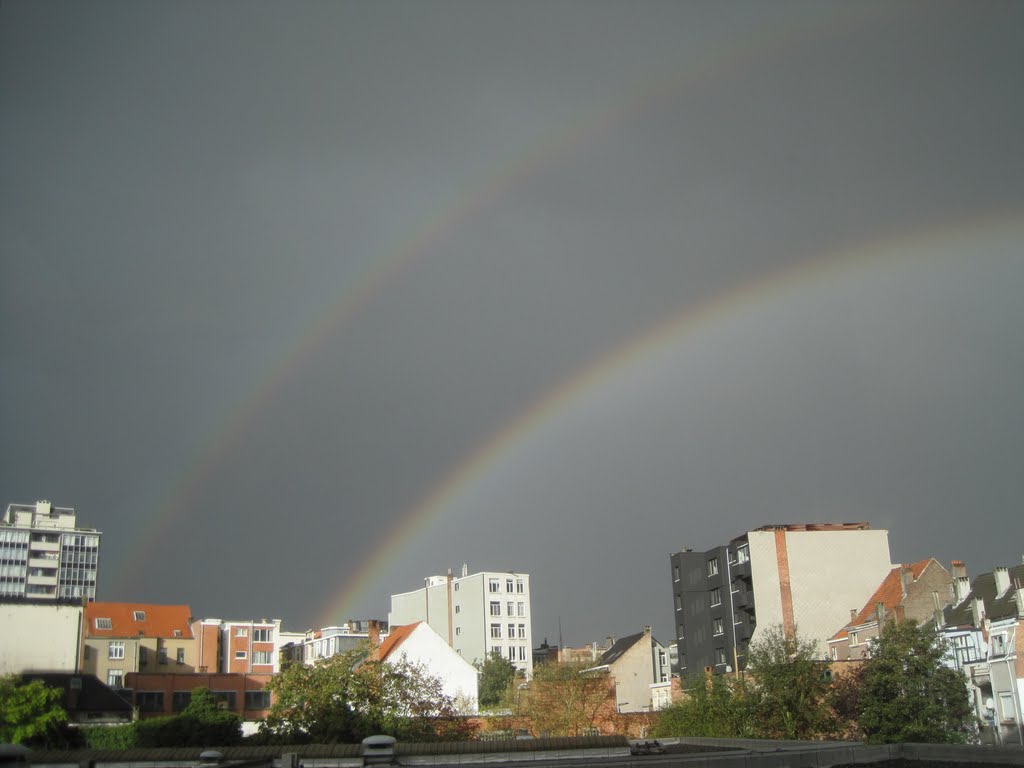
[(46, 639), (829, 572)]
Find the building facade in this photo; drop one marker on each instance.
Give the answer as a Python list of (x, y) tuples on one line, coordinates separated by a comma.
[(45, 556), (120, 638), (638, 664), (47, 638), (158, 695), (803, 576), (917, 591), (476, 614)]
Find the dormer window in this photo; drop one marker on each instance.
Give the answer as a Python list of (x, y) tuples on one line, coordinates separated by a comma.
[(102, 623), (177, 633), (139, 615)]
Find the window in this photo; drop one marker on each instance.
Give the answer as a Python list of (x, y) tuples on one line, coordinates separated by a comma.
[(522, 631), (713, 566), (998, 645), (675, 573), (257, 699), (240, 654), (494, 585), (718, 627), (716, 596), (115, 649), (743, 553), (737, 618), (495, 608), (835, 653), (510, 608), (104, 624), (522, 653), (511, 653), (458, 630), (162, 655), (180, 700), (854, 638), (181, 656), (262, 657), (495, 630), (719, 655), (115, 678), (511, 630), (143, 656), (150, 701), (458, 609), (456, 586), (519, 586), (679, 602), (241, 632), (226, 699), (522, 609), (139, 615), (508, 585), (262, 635), (496, 649), (177, 633)]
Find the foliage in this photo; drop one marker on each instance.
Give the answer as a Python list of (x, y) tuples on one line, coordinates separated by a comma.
[(791, 695), (714, 706), (907, 693), (496, 676), (109, 736), (348, 697), (566, 699), (30, 713)]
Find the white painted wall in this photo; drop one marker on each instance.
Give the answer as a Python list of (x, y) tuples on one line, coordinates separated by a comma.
[(458, 677), (39, 638)]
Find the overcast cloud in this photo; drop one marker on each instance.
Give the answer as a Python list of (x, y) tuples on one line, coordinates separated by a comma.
[(271, 273)]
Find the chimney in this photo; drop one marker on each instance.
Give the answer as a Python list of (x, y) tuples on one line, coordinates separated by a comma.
[(961, 588), (647, 629), (853, 615), (958, 569), (906, 578), (373, 630), (880, 613), (465, 570), (1019, 597), (1002, 577), (978, 612)]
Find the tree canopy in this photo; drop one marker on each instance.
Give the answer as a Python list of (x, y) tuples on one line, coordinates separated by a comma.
[(29, 712), (715, 706), (791, 688), (496, 676), (566, 699), (347, 697), (907, 693)]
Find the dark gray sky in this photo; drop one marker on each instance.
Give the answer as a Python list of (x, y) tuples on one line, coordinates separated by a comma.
[(572, 285)]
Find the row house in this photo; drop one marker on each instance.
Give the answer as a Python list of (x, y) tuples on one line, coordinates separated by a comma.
[(243, 646), (315, 645), (918, 591), (122, 638), (638, 664), (986, 630), (162, 695)]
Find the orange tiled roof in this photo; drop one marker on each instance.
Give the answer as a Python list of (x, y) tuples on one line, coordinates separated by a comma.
[(889, 593), (396, 638), (157, 621)]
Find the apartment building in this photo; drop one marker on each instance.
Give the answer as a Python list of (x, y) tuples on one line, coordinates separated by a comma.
[(243, 646), (803, 576), (119, 638), (477, 614), (44, 555)]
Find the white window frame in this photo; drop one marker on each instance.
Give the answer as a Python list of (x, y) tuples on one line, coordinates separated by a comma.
[(522, 631), (263, 635), (239, 655), (241, 631), (717, 627), (520, 586), (104, 623), (115, 678), (495, 608), (115, 649), (496, 631), (713, 566), (520, 609), (138, 615), (716, 596), (494, 585)]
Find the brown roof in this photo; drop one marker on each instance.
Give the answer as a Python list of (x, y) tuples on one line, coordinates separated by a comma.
[(396, 638), (889, 593), (156, 620)]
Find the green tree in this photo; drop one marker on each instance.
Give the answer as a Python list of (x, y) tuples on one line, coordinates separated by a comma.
[(347, 697), (791, 687), (496, 676), (907, 693), (30, 713), (715, 706)]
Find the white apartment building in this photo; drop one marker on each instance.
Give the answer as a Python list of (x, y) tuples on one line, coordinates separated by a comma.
[(44, 556), (476, 614)]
